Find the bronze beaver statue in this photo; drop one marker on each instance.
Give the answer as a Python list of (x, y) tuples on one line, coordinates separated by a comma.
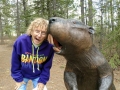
[(86, 67)]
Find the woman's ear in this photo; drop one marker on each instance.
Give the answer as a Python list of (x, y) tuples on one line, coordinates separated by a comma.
[(31, 33)]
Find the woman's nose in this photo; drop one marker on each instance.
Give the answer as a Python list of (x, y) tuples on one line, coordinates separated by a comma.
[(39, 34)]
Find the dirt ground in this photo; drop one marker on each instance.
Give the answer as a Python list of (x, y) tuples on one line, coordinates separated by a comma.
[(56, 80)]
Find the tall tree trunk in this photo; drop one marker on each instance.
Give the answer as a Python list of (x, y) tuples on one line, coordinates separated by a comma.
[(67, 8), (43, 6), (101, 31), (48, 8), (85, 13), (118, 28), (90, 13), (112, 14), (24, 7), (82, 10), (18, 20), (1, 30), (54, 8)]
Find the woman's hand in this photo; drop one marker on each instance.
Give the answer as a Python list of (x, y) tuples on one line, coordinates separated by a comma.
[(40, 86), (56, 49), (18, 84)]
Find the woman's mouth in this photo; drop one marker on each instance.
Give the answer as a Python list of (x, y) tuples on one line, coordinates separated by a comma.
[(37, 39)]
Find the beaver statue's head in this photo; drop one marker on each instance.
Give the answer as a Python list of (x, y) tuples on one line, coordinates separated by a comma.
[(70, 34)]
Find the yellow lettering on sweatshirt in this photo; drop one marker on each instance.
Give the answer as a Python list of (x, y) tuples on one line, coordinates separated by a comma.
[(26, 58)]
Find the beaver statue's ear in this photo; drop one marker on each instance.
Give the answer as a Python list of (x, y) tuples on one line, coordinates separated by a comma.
[(91, 30)]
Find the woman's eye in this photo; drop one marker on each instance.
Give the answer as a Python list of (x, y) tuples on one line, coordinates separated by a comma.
[(43, 33), (37, 31)]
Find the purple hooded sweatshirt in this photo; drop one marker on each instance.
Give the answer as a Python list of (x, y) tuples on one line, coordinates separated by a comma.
[(30, 62)]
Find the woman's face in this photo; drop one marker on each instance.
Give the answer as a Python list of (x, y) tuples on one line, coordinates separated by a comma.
[(38, 35)]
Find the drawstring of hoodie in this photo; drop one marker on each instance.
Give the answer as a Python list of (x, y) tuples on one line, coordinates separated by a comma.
[(37, 59), (33, 59)]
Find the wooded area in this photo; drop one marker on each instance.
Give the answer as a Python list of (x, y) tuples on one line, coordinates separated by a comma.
[(102, 15)]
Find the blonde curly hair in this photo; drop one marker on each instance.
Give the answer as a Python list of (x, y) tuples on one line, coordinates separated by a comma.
[(43, 23)]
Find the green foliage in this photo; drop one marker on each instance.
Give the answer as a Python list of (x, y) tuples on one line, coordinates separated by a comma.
[(6, 16), (50, 8), (114, 61), (111, 33), (111, 47)]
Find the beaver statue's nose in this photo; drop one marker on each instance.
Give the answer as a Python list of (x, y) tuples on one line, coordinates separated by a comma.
[(52, 20)]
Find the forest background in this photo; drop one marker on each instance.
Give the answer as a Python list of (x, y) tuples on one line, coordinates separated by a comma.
[(102, 15)]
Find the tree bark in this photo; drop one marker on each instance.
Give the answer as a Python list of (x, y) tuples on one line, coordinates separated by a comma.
[(18, 20), (90, 13), (1, 30), (24, 7), (82, 10), (54, 7), (101, 32)]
